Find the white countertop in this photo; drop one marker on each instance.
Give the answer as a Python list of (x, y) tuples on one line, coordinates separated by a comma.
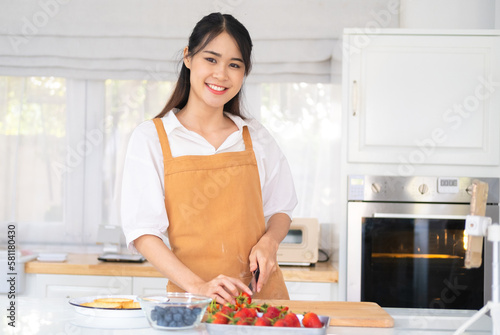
[(58, 317)]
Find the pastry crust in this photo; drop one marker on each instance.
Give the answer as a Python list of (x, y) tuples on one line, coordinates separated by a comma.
[(103, 304), (117, 303)]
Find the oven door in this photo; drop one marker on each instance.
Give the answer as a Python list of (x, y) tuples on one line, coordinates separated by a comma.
[(412, 255)]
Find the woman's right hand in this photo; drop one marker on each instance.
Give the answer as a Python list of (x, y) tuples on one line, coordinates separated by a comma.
[(223, 289)]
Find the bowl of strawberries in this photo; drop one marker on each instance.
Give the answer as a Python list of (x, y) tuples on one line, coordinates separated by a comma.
[(247, 316)]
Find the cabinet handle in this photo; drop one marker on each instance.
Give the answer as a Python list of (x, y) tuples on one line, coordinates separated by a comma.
[(354, 97)]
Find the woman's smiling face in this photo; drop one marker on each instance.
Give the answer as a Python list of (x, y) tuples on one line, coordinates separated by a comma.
[(217, 73)]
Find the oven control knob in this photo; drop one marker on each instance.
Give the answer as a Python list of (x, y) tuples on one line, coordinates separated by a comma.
[(469, 189), (423, 188), (376, 188)]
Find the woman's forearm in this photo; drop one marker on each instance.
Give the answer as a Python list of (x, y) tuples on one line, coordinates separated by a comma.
[(164, 260), (277, 228)]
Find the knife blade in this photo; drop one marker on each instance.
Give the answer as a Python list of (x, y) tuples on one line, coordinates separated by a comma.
[(255, 278)]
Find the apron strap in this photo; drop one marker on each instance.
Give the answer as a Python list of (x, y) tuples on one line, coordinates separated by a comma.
[(247, 139), (165, 147)]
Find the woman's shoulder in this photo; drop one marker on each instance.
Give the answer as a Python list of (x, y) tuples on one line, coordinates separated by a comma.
[(254, 126), (261, 136), (145, 129)]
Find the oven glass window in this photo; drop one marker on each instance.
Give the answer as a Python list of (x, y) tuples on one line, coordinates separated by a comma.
[(294, 236), (418, 263)]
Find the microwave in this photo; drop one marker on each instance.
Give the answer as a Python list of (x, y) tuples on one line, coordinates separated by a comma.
[(300, 246)]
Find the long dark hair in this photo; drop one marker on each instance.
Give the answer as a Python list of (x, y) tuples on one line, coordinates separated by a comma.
[(203, 33)]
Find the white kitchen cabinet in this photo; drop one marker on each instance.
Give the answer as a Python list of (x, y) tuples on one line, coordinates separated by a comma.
[(72, 286), (422, 97), (149, 286), (312, 291)]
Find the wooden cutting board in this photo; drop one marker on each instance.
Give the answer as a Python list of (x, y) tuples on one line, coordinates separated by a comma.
[(341, 313)]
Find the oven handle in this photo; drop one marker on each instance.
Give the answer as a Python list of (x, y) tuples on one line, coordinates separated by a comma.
[(419, 216)]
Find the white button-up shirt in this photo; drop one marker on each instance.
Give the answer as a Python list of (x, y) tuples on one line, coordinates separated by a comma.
[(142, 199)]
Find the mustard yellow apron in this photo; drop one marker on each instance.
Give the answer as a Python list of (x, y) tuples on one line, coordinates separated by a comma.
[(215, 213)]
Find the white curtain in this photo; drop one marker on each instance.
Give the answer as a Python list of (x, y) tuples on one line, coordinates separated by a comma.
[(117, 60), (294, 40)]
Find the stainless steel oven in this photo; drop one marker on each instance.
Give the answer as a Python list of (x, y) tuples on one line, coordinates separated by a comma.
[(406, 242)]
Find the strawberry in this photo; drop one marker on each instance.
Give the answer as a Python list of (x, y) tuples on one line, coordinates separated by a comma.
[(213, 307), (218, 318), (281, 323), (292, 320), (244, 322), (262, 321), (227, 309), (283, 309), (246, 296), (311, 320), (242, 313), (262, 308), (243, 299), (272, 312), (252, 312)]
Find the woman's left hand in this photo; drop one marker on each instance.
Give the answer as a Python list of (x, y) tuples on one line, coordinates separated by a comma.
[(263, 254)]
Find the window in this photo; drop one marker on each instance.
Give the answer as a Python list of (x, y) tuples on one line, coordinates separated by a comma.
[(32, 141), (128, 103), (305, 121), (64, 143)]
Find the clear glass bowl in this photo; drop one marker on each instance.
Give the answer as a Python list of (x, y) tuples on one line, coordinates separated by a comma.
[(174, 311)]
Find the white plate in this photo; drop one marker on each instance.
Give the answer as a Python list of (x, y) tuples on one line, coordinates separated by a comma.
[(109, 323), (52, 257), (106, 312)]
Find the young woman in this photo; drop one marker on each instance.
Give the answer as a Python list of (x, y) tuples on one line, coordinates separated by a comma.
[(215, 182)]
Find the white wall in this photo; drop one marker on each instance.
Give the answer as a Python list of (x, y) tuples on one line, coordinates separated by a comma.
[(448, 14)]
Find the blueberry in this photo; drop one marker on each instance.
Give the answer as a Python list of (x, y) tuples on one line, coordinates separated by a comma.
[(177, 317), (158, 310), (162, 322), (167, 317), (189, 319), (172, 324), (196, 311), (154, 315)]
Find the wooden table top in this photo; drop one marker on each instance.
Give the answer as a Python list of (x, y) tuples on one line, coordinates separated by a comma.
[(88, 264)]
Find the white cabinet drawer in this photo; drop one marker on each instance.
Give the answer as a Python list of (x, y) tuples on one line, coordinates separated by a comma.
[(148, 286), (71, 286), (312, 291)]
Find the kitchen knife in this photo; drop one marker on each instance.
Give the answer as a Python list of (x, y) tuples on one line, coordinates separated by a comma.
[(255, 278)]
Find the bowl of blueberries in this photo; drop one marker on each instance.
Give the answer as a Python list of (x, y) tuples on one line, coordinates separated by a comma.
[(174, 311)]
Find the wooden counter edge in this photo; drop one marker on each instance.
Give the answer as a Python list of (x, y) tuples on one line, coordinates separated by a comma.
[(87, 264)]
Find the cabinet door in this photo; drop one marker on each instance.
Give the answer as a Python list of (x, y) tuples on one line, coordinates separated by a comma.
[(422, 99), (149, 286), (73, 286), (311, 291)]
